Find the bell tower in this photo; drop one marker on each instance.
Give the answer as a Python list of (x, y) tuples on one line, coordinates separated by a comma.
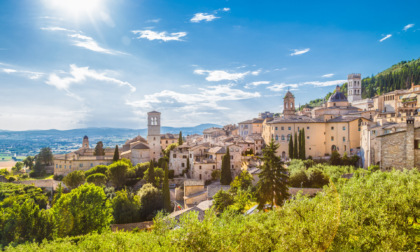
[(85, 143), (153, 134), (289, 105), (354, 87)]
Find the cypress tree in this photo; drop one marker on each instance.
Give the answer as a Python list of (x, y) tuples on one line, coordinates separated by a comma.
[(180, 138), (299, 139), (291, 147), (302, 145), (152, 179), (165, 189), (295, 147), (188, 164), (226, 175), (116, 154)]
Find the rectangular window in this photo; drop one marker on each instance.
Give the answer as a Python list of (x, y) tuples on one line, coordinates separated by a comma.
[(332, 138), (182, 165), (91, 164), (60, 166), (307, 137), (298, 128), (214, 167), (80, 165), (344, 139), (232, 167), (307, 128), (344, 127), (56, 166), (200, 167), (174, 155), (416, 144), (282, 128), (332, 128), (290, 128), (276, 128)]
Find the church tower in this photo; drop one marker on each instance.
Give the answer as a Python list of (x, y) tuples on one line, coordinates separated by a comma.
[(85, 143), (289, 105), (153, 134), (354, 87)]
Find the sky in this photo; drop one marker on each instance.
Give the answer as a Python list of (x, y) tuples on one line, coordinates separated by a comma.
[(106, 63)]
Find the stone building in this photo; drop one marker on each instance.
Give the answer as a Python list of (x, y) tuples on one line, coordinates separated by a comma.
[(401, 149), (354, 87), (153, 134)]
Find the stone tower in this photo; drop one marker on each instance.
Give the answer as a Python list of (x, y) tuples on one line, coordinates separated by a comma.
[(153, 134), (354, 87), (85, 143), (289, 105)]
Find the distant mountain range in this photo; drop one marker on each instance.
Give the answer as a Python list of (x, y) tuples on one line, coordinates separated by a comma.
[(106, 132)]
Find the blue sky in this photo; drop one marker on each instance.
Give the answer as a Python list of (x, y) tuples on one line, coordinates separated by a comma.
[(103, 63)]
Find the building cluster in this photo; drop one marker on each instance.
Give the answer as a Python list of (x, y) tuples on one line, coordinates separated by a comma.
[(383, 130)]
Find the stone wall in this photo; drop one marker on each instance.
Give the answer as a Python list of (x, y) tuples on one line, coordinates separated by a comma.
[(46, 183)]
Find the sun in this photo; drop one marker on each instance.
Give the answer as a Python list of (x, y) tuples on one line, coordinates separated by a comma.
[(75, 7)]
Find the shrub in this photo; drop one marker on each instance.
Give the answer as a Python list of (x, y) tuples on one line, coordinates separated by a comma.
[(98, 179), (317, 178), (215, 175), (74, 179), (222, 200), (171, 174), (373, 168), (126, 207), (140, 169), (117, 172), (299, 179), (97, 169), (151, 201), (58, 177)]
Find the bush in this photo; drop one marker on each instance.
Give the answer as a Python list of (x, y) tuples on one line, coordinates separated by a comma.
[(215, 175), (151, 201), (98, 179), (158, 175), (74, 179), (126, 207), (58, 177), (140, 169), (117, 172), (317, 178), (12, 178), (373, 168), (222, 200), (97, 169), (299, 179)]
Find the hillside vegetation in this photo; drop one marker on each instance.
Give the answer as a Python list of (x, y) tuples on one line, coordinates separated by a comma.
[(398, 76)]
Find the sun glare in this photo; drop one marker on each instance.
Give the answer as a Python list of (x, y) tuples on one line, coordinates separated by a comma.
[(75, 7)]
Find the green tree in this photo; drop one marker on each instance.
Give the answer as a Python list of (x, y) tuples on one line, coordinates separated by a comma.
[(74, 179), (299, 179), (188, 168), (242, 181), (140, 169), (291, 148), (82, 211), (98, 179), (302, 150), (58, 193), (165, 191), (126, 207), (29, 162), (117, 173), (180, 138), (345, 160), (116, 154), (215, 175), (45, 156), (18, 166), (99, 149), (150, 200), (317, 178), (151, 174), (272, 186), (158, 173), (226, 175), (335, 158), (295, 147), (97, 169), (222, 200)]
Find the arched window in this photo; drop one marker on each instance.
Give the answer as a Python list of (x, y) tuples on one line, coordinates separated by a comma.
[(282, 137), (291, 105), (287, 105)]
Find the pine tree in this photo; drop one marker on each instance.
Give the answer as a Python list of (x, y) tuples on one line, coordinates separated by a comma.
[(165, 191), (180, 138), (116, 154), (226, 175), (152, 179), (295, 147), (272, 186), (302, 145), (291, 154), (99, 149)]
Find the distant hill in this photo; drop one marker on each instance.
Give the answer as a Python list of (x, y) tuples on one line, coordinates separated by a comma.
[(398, 76)]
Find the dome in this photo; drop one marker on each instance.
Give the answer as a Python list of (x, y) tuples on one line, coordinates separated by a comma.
[(289, 95), (338, 96)]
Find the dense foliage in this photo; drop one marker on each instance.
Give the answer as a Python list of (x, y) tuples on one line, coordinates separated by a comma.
[(74, 179), (226, 174), (126, 206)]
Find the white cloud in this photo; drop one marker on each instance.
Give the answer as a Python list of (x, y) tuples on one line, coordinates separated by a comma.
[(206, 98), (386, 37), (83, 41), (408, 27), (152, 35), (226, 9), (90, 44), (28, 74), (299, 52), (198, 17), (81, 74), (219, 75), (157, 20), (328, 75), (325, 83), (256, 72), (281, 86), (256, 83)]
